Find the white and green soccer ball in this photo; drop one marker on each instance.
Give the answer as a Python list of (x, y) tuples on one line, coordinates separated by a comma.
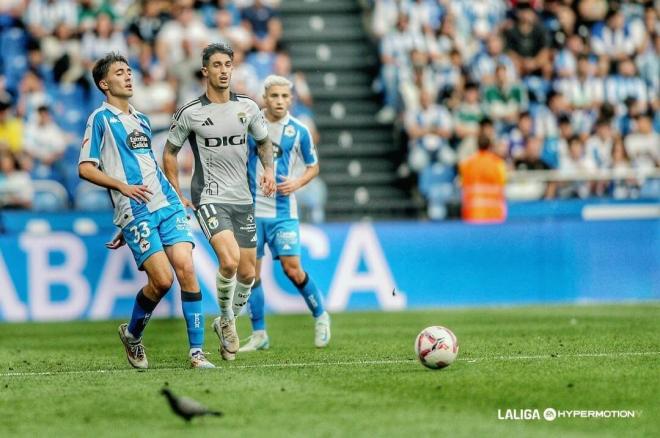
[(436, 347)]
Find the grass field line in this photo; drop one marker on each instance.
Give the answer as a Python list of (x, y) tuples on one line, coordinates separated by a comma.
[(340, 363)]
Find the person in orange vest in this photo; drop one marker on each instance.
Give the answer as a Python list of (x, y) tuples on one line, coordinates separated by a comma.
[(483, 177)]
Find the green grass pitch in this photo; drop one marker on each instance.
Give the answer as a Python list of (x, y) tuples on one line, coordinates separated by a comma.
[(72, 379)]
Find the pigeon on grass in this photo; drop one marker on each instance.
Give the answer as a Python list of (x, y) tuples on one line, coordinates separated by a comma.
[(187, 408)]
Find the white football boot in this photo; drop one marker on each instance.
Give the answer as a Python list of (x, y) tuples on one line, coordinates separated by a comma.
[(257, 341), (226, 331), (198, 360), (135, 352), (322, 330)]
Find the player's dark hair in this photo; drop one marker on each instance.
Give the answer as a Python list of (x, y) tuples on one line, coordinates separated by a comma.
[(102, 67), (214, 48)]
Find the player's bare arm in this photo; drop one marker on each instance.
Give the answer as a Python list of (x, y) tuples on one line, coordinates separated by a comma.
[(287, 186), (171, 170), (88, 171), (265, 153)]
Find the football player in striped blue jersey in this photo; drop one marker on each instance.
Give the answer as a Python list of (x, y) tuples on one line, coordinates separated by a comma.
[(116, 154), (277, 217)]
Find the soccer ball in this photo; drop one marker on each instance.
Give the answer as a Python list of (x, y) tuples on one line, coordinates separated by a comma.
[(436, 347)]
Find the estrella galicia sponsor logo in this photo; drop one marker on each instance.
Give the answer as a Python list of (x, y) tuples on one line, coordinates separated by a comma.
[(234, 140), (138, 140)]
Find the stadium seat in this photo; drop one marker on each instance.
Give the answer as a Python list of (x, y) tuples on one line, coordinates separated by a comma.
[(92, 198), (49, 196)]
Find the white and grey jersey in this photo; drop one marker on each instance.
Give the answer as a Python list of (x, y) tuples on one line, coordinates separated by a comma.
[(217, 133)]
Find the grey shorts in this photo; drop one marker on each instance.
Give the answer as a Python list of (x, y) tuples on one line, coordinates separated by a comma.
[(215, 217)]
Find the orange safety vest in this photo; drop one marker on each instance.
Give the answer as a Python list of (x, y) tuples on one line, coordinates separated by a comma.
[(483, 177)]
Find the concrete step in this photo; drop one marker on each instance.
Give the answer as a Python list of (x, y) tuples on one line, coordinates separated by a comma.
[(358, 150), (291, 7), (365, 179), (350, 108), (331, 81), (347, 136), (327, 51), (366, 63)]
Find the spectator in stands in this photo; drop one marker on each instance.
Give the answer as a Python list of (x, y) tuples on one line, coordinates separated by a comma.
[(42, 16), (186, 25), (528, 43), (483, 176), (504, 100), (599, 146), (428, 129), (384, 18), (45, 143), (625, 187), (89, 11), (395, 55), (519, 136), (301, 90), (615, 38), (11, 128), (62, 53), (565, 62), (627, 84), (239, 37), (530, 159), (264, 24), (469, 113), (32, 94), (576, 163), (245, 79), (485, 62), (16, 189), (643, 146), (103, 39), (156, 98), (148, 23)]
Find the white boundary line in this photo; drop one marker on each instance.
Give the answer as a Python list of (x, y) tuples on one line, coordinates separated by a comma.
[(340, 363)]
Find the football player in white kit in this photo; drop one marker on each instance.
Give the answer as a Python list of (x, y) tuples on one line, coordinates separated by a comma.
[(216, 126)]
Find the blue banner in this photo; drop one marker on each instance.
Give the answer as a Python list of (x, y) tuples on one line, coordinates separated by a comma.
[(64, 274)]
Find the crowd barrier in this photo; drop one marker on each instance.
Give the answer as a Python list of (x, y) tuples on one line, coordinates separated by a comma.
[(57, 268)]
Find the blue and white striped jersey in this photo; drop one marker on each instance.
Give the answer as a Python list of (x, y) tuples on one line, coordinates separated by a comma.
[(120, 145), (292, 144)]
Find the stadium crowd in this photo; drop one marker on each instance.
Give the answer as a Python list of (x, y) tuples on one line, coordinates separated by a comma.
[(46, 90), (572, 85)]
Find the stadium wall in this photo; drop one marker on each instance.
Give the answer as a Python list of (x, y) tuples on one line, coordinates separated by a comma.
[(63, 274)]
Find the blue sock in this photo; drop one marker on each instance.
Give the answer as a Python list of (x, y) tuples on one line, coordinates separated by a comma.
[(142, 310), (256, 307), (312, 296), (191, 303)]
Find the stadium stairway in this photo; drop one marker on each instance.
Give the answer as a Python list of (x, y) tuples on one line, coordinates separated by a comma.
[(328, 43)]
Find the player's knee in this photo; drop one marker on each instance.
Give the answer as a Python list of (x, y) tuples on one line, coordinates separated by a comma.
[(294, 272), (185, 271), (246, 275), (162, 283), (228, 267)]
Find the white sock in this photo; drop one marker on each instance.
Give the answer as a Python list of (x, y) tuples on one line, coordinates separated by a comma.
[(241, 296), (193, 351), (225, 289)]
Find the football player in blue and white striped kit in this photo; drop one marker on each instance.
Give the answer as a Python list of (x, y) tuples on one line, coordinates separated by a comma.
[(277, 217), (116, 154)]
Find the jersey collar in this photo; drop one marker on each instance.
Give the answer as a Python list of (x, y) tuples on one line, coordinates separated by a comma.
[(283, 121), (116, 111)]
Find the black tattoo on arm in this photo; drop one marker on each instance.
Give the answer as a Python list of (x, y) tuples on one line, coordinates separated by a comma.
[(265, 152), (172, 149)]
